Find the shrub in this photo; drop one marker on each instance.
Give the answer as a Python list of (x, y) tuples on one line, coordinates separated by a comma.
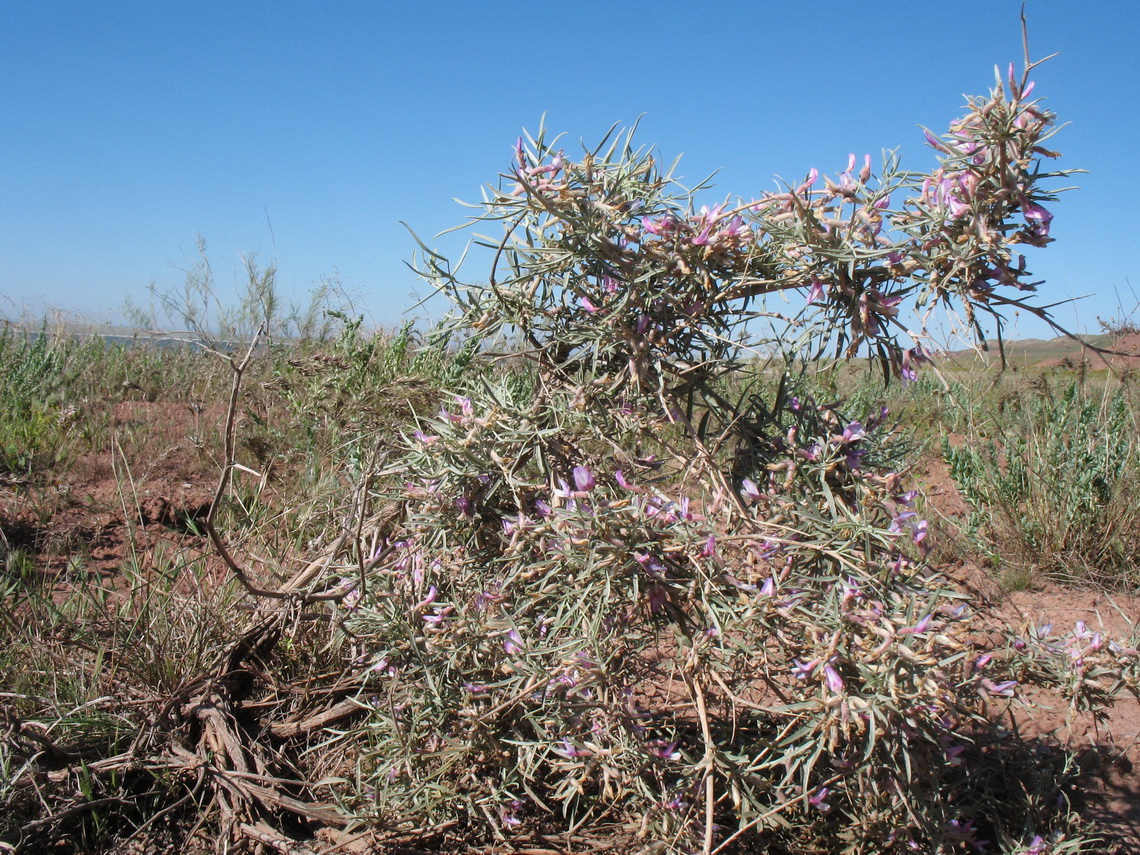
[(630, 599)]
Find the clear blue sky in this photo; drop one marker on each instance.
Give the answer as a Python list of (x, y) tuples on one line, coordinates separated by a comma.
[(304, 132)]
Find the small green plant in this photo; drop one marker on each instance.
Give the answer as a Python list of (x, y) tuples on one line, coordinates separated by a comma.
[(1052, 492)]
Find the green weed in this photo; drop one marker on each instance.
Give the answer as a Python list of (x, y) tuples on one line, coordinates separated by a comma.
[(1053, 488)]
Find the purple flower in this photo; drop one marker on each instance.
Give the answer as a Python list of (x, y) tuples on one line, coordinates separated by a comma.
[(919, 627), (1038, 217), (657, 596), (853, 432), (749, 490), (569, 750), (834, 681), (663, 750), (959, 830), (803, 670), (934, 142), (583, 479), (424, 438), (817, 800), (513, 643), (815, 292), (1003, 690), (619, 476), (507, 814), (587, 304)]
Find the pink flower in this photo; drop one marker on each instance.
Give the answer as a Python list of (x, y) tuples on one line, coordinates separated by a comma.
[(919, 627), (587, 304), (513, 643), (709, 549), (1038, 217), (619, 476), (831, 676), (428, 600), (815, 292), (749, 490), (583, 479), (663, 750), (1003, 690)]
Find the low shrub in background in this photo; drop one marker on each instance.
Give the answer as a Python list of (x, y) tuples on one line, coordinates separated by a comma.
[(1053, 492)]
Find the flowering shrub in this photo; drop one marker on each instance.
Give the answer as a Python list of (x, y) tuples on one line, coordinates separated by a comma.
[(630, 598)]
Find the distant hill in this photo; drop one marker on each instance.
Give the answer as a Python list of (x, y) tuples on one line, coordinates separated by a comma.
[(1045, 353)]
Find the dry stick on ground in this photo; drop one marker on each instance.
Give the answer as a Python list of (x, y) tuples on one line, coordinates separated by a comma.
[(238, 368), (225, 749), (708, 761)]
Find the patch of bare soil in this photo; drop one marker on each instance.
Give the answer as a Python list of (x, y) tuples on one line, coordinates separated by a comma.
[(1107, 745), (152, 482)]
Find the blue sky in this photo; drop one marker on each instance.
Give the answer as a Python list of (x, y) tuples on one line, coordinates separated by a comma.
[(305, 132)]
